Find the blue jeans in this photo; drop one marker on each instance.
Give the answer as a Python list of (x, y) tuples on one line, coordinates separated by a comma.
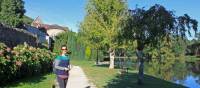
[(62, 82)]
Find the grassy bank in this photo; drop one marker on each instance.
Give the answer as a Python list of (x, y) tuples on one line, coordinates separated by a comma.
[(42, 81), (99, 75), (103, 77)]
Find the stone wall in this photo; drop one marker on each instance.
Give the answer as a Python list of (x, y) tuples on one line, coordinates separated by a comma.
[(13, 36)]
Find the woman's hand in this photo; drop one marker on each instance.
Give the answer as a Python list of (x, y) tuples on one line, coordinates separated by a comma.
[(66, 69)]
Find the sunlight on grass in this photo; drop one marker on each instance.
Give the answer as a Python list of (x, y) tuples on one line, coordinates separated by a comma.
[(100, 76), (103, 77)]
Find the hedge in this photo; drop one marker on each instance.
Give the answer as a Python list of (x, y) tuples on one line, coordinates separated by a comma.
[(23, 61)]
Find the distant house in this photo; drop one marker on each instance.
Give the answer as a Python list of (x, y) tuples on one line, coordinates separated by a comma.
[(40, 35), (45, 32), (51, 30)]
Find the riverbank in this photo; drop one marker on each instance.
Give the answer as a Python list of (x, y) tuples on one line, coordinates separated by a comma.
[(103, 77)]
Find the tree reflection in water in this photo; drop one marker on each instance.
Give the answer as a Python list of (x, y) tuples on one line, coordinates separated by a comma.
[(175, 70)]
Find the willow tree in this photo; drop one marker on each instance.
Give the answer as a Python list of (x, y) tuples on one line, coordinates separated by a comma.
[(155, 28), (155, 25), (102, 22)]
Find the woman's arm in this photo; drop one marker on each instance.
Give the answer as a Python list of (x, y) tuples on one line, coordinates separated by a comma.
[(59, 67)]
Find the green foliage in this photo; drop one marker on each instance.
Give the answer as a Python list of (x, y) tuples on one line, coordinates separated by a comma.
[(163, 60), (102, 21), (192, 59), (157, 28), (179, 46), (161, 52), (61, 39), (93, 54), (12, 12), (0, 4), (127, 46), (88, 52), (27, 20), (73, 42), (24, 61), (156, 24), (2, 46), (193, 47)]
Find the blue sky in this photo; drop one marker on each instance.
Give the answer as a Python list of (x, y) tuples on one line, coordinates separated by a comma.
[(71, 12)]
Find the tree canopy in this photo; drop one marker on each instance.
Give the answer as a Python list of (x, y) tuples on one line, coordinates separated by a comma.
[(156, 24), (102, 20), (12, 12)]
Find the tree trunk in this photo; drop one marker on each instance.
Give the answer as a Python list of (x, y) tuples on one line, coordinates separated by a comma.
[(97, 60), (140, 56), (112, 57)]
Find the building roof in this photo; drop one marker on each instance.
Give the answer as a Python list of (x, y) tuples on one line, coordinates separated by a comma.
[(36, 22), (54, 26), (39, 24)]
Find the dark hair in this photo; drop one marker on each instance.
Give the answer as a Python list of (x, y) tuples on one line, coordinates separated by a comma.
[(63, 46), (68, 52)]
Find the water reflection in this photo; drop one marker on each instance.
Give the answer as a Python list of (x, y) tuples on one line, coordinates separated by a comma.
[(177, 71)]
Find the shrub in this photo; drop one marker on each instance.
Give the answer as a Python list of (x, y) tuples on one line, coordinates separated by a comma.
[(61, 39), (88, 53), (24, 61)]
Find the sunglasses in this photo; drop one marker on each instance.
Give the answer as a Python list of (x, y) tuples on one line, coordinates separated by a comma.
[(63, 49)]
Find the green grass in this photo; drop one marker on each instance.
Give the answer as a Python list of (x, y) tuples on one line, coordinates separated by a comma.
[(100, 76), (42, 81), (103, 77), (129, 80)]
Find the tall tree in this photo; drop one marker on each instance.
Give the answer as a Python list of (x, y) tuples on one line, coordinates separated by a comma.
[(102, 23), (156, 28), (12, 12), (152, 26)]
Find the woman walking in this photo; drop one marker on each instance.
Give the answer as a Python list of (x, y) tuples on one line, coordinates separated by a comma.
[(62, 67)]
